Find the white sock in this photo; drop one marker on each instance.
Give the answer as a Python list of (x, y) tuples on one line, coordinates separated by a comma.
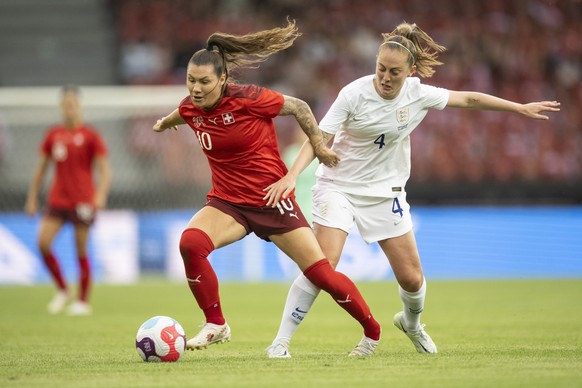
[(413, 304), (300, 298)]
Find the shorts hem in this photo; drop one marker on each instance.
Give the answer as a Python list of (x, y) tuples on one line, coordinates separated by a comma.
[(387, 236)]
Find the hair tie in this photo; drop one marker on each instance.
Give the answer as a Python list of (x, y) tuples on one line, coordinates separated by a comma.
[(216, 48), (404, 47)]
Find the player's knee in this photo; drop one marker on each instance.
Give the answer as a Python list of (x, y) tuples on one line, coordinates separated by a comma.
[(412, 282), (44, 246), (333, 261), (195, 244)]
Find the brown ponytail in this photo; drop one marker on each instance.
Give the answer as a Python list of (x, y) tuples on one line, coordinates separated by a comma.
[(227, 52)]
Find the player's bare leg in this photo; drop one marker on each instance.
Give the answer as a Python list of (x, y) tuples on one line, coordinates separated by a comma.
[(49, 228)]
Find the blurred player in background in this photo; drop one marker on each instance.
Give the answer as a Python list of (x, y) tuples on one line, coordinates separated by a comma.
[(234, 126), (75, 148), (371, 121)]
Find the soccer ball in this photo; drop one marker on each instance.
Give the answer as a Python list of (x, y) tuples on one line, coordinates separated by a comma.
[(160, 338)]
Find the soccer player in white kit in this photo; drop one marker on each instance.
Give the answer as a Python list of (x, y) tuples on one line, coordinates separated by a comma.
[(371, 121)]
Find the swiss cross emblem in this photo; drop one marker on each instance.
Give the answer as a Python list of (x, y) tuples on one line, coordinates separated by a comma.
[(227, 118), (79, 139)]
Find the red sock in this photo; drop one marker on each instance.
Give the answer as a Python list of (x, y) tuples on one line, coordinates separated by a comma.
[(195, 246), (84, 278), (345, 293), (55, 269)]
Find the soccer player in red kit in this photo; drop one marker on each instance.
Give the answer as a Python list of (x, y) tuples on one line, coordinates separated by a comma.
[(234, 126), (73, 147)]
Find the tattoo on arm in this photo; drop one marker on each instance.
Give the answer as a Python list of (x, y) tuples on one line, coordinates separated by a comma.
[(472, 101), (304, 116)]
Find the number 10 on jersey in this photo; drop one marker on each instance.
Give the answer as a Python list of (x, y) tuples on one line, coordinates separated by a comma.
[(204, 140)]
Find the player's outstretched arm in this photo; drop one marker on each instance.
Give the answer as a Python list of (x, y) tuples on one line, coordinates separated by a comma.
[(483, 101), (170, 121), (304, 116)]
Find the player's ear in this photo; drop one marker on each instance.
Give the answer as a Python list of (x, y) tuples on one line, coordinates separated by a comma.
[(412, 70)]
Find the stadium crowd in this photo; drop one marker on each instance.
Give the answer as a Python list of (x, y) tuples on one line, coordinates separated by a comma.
[(526, 50)]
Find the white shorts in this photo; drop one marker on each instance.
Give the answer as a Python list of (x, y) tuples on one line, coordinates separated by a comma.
[(377, 218)]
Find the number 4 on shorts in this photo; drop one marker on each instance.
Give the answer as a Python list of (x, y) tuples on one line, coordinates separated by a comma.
[(396, 207)]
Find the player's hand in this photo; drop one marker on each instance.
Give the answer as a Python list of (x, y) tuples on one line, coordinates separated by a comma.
[(534, 109), (161, 125), (99, 201), (31, 207), (326, 156), (279, 190)]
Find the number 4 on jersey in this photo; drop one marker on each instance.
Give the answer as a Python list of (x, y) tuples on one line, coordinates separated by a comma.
[(380, 141)]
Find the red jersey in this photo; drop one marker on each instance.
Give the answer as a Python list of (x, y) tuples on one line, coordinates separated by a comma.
[(73, 152), (239, 139)]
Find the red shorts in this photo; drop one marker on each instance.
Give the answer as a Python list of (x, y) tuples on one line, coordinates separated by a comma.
[(264, 221), (83, 214)]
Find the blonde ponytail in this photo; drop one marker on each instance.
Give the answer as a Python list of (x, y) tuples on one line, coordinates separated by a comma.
[(422, 49)]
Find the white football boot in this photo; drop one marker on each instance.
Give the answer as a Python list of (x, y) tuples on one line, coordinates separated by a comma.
[(210, 334), (366, 347), (58, 303), (278, 349), (421, 340), (79, 308)]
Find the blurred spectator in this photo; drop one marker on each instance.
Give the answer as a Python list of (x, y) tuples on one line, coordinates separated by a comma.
[(143, 62), (519, 50)]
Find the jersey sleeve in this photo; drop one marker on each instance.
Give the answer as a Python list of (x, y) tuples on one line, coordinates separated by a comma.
[(337, 114), (100, 146), (182, 107), (46, 145), (435, 97), (267, 104)]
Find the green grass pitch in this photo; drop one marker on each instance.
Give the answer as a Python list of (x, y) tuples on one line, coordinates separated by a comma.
[(522, 333)]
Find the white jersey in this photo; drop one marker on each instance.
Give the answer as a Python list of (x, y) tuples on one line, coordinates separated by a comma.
[(372, 135)]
